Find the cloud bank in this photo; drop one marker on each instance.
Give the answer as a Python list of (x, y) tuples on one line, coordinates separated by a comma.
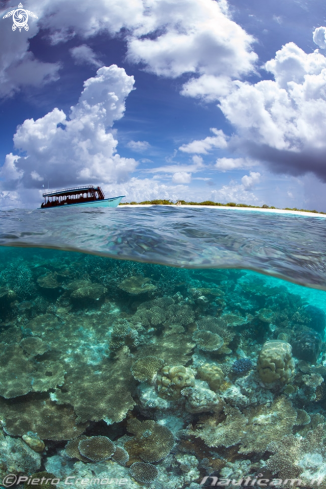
[(81, 148)]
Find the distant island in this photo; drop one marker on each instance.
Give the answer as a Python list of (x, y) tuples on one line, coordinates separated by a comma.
[(209, 202)]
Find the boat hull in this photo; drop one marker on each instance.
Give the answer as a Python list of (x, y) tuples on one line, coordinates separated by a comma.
[(112, 202)]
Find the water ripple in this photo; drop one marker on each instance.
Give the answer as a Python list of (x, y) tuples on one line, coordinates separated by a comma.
[(289, 246)]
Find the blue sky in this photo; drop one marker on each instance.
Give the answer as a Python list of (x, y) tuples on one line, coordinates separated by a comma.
[(195, 100)]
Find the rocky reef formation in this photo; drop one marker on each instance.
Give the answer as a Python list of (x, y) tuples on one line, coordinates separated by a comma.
[(147, 376)]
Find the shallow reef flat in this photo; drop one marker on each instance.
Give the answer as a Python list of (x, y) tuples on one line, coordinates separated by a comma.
[(141, 375)]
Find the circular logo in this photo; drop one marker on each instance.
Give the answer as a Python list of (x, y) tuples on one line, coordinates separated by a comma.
[(20, 18), (9, 480)]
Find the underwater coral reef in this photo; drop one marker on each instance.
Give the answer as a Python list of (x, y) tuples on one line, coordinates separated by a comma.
[(141, 375)]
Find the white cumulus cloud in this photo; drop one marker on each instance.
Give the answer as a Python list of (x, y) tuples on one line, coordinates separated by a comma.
[(249, 181), (80, 149), (138, 190), (181, 177), (227, 164), (205, 145), (283, 121), (169, 37), (138, 145), (233, 192), (18, 67), (191, 36), (319, 37)]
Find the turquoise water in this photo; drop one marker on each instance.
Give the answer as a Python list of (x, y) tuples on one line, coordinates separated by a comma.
[(117, 370)]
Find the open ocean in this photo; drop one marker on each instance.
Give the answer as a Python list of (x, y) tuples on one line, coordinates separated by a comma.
[(162, 347)]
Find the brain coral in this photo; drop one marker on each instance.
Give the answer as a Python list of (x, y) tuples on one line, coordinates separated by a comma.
[(207, 341), (145, 369), (152, 442), (96, 448), (171, 380), (145, 473), (275, 362), (212, 374)]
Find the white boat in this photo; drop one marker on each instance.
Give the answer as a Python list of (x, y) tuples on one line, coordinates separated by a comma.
[(87, 196)]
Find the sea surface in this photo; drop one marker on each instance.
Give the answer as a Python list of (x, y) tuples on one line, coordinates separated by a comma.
[(162, 347)]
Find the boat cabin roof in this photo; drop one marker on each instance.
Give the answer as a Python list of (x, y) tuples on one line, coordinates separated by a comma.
[(72, 190)]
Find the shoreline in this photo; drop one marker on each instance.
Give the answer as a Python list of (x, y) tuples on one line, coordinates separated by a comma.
[(252, 209)]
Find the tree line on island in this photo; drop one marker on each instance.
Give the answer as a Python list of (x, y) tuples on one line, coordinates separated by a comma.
[(209, 202)]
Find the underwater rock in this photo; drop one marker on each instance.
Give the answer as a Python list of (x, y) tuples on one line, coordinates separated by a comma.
[(121, 456), (275, 362), (137, 285), (307, 345), (316, 318), (145, 369), (234, 396), (39, 415), (34, 442), (150, 399), (90, 295), (313, 380), (96, 448), (200, 399), (188, 466), (17, 457), (152, 442), (142, 472), (207, 341), (171, 380), (48, 281), (212, 374)]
